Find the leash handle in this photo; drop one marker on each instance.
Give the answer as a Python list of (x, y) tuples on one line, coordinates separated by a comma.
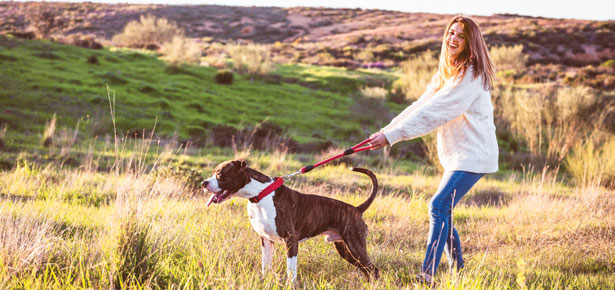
[(349, 151)]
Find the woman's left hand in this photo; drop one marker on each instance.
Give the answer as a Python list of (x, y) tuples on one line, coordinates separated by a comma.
[(378, 140)]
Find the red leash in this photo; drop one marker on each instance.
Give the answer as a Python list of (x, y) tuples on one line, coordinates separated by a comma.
[(352, 150), (278, 181)]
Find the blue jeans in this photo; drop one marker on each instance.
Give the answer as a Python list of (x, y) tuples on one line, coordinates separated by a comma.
[(442, 233)]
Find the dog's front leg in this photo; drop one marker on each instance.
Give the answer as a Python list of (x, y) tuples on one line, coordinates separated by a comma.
[(267, 258), (292, 247)]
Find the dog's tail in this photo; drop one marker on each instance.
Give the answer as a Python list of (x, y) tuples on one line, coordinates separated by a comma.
[(362, 207)]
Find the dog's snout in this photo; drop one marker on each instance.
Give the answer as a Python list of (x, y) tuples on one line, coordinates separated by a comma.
[(204, 183)]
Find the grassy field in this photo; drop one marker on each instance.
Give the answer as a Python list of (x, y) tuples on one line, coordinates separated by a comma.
[(42, 78), (125, 228), (93, 210)]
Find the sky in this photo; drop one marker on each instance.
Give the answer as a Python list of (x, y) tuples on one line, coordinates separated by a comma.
[(576, 9)]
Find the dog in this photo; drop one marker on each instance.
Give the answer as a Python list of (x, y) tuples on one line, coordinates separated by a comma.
[(288, 217)]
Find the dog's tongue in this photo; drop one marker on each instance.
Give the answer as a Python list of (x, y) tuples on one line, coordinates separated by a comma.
[(211, 199)]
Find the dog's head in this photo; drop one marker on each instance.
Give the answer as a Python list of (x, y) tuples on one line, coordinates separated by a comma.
[(228, 178)]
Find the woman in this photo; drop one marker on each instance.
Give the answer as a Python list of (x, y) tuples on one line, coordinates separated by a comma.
[(457, 102)]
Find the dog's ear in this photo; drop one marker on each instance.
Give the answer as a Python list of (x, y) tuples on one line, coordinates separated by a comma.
[(239, 164)]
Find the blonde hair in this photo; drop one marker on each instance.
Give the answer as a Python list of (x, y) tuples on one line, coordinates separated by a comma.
[(475, 54)]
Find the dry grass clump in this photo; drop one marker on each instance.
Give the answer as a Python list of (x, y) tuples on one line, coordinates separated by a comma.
[(376, 93), (181, 50), (149, 30), (251, 59), (26, 242), (593, 162), (49, 133)]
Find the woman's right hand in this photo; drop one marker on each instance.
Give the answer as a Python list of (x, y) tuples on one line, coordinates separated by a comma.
[(378, 140)]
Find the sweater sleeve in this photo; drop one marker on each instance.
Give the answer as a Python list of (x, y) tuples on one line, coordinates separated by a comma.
[(413, 107), (448, 103)]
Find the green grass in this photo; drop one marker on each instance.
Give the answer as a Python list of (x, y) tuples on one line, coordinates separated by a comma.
[(41, 78)]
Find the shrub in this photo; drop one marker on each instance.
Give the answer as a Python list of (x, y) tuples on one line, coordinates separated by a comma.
[(416, 75), (509, 57), (149, 30), (251, 59), (93, 59), (609, 63), (364, 55), (224, 77), (181, 50)]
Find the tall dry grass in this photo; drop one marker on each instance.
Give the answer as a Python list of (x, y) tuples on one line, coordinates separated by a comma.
[(550, 120), (181, 50), (49, 133), (593, 162), (509, 57)]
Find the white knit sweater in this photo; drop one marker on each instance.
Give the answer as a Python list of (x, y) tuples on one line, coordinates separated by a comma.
[(463, 114)]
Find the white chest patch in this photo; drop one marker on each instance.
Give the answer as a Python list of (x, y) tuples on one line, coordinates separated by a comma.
[(262, 218)]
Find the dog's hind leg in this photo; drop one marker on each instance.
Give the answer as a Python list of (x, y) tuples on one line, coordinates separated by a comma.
[(342, 249), (358, 252), (267, 258)]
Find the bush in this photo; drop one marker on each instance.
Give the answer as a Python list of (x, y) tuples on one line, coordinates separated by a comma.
[(509, 57), (251, 59), (149, 30), (364, 55), (609, 63), (181, 50), (417, 73), (93, 59), (224, 77)]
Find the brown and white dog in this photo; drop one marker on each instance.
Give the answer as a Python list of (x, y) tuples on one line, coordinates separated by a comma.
[(289, 217)]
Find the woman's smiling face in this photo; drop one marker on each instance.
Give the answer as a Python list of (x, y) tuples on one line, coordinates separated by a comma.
[(455, 40)]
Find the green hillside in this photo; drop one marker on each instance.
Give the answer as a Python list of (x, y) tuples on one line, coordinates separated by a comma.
[(309, 104)]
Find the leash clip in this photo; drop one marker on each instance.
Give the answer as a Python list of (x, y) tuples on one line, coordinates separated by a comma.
[(292, 174)]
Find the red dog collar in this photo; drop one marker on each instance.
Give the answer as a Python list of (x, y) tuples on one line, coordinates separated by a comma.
[(278, 181)]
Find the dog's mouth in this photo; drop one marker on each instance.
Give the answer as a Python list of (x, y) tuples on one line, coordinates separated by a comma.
[(219, 197)]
